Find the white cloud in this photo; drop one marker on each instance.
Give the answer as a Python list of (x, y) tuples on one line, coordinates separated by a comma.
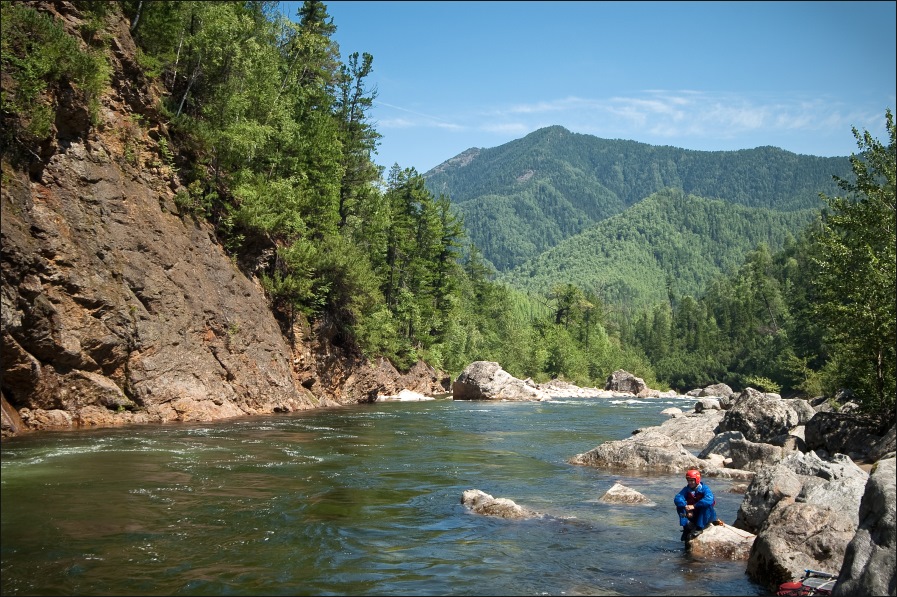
[(422, 120), (682, 118), (678, 114)]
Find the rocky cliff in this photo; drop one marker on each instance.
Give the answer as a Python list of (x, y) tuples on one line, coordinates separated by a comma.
[(120, 308)]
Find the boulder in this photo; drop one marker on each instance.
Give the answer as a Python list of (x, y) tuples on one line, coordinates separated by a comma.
[(707, 404), (620, 494), (802, 408), (759, 416), (486, 380), (804, 511), (839, 482), (722, 542), (691, 429), (753, 456), (626, 383), (869, 565), (718, 390), (719, 444), (798, 536), (841, 433), (649, 450), (483, 503)]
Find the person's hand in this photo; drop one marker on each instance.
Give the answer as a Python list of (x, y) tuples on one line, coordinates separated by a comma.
[(689, 508)]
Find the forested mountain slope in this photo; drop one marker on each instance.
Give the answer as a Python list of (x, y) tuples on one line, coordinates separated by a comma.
[(668, 241), (526, 196)]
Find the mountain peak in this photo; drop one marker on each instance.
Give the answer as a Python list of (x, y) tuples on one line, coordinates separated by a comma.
[(460, 160)]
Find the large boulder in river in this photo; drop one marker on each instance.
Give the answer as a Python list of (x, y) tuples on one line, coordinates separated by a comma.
[(626, 383), (719, 390), (804, 511), (869, 564), (649, 450), (760, 417), (691, 429), (486, 380)]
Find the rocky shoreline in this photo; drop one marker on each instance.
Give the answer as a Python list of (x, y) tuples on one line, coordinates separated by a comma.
[(820, 490)]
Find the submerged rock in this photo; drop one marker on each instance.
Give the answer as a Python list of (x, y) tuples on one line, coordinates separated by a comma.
[(482, 503)]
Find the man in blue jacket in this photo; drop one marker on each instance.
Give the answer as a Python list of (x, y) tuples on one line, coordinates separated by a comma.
[(694, 504)]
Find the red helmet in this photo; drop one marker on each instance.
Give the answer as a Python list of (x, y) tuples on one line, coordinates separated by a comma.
[(694, 474)]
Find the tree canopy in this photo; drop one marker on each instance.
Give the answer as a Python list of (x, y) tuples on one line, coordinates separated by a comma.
[(684, 268)]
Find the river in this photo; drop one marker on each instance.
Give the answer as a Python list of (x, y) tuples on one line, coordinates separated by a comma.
[(361, 500)]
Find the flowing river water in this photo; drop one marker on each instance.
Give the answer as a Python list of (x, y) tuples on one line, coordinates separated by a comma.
[(362, 500)]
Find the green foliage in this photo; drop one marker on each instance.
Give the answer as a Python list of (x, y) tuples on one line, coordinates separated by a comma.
[(761, 383), (668, 239), (684, 268), (523, 198), (856, 276), (41, 59), (815, 317)]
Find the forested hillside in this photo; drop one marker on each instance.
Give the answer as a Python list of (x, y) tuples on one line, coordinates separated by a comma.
[(524, 197), (668, 242), (682, 267)]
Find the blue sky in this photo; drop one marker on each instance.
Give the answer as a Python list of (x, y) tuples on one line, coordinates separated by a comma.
[(697, 75)]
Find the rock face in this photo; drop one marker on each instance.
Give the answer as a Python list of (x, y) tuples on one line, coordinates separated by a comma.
[(481, 502), (118, 307), (869, 564), (885, 447), (486, 380)]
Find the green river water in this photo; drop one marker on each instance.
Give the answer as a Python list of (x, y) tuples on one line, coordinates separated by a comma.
[(363, 500)]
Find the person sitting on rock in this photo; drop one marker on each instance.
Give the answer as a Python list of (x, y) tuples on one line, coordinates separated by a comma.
[(694, 504)]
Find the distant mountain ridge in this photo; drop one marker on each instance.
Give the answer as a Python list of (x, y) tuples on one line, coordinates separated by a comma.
[(522, 198)]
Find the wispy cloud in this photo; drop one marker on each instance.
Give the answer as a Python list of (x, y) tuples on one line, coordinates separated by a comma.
[(676, 115), (683, 118), (421, 120)]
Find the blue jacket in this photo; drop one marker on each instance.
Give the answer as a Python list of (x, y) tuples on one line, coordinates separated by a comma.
[(703, 501)]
